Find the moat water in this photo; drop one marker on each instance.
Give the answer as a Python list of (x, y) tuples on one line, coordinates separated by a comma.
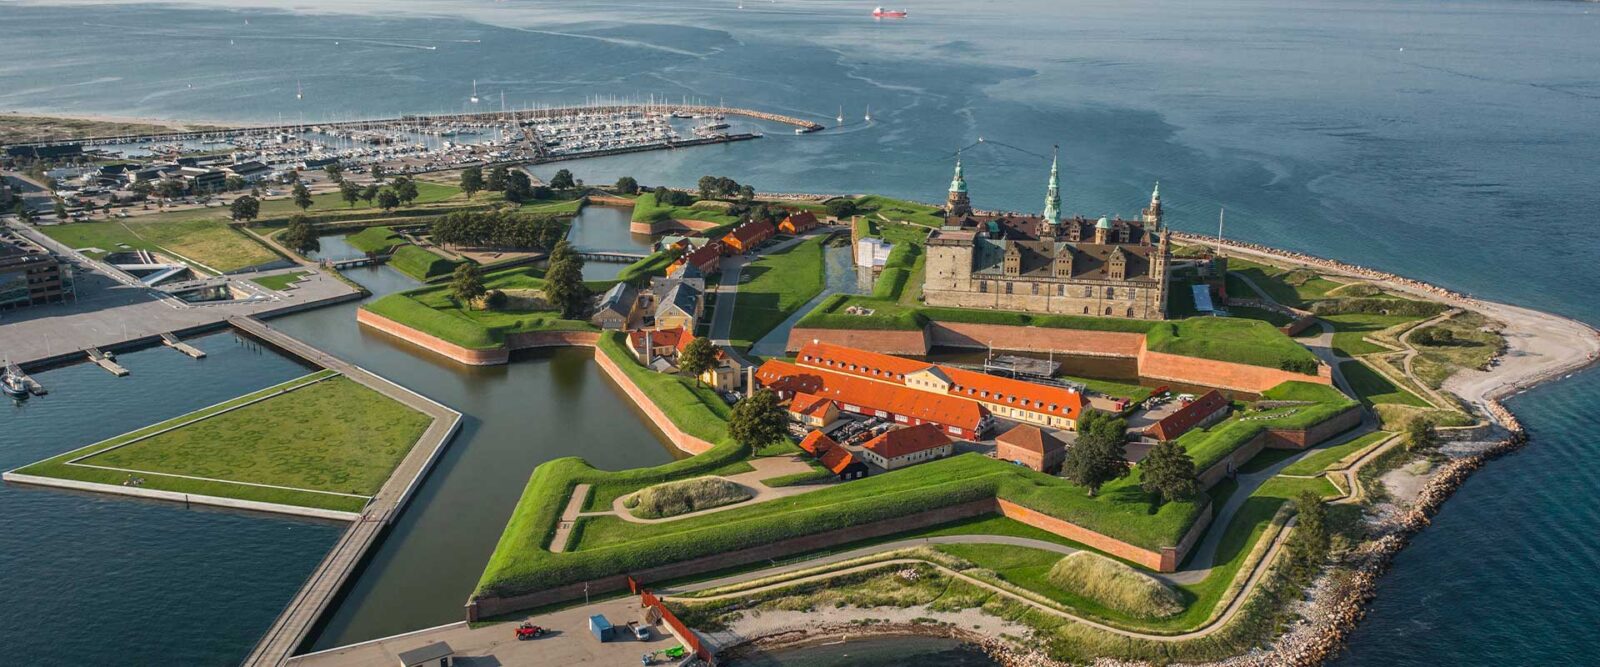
[(1449, 141)]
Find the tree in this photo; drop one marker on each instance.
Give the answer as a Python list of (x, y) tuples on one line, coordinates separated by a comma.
[(21, 210), (369, 193), (758, 420), (300, 236), (627, 186), (335, 172), (471, 180), (61, 209), (170, 188), (406, 190), (707, 187), (697, 357), (1097, 456), (142, 188), (245, 208), (466, 285), (349, 192), (376, 172), (518, 188), (388, 200), (234, 182), (841, 208), (497, 179), (564, 286), (1308, 545), (747, 194), (1420, 434), (302, 196), (1168, 471), (562, 180)]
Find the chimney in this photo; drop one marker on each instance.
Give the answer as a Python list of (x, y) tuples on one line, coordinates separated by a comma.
[(749, 380)]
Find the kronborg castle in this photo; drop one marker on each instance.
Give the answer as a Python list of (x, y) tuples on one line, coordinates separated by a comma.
[(1048, 264)]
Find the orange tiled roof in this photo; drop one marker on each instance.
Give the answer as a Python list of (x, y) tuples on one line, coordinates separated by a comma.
[(752, 232), (705, 256), (914, 404), (817, 441), (800, 222), (810, 405), (1029, 437), (903, 441), (674, 337), (1179, 423), (966, 384), (836, 459)]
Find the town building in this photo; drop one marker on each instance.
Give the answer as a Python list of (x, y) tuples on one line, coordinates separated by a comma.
[(1048, 263), (902, 447), (744, 238), (676, 300), (902, 405), (1008, 398), (799, 223), (202, 179), (658, 350), (250, 171), (1027, 445), (706, 259), (873, 253), (30, 275), (833, 456), (812, 410), (617, 307), (1199, 413)]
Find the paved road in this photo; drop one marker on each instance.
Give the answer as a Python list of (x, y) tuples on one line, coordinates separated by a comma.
[(728, 293)]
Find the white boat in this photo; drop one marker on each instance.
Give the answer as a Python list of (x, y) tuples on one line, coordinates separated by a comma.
[(13, 386), (474, 97), (840, 117), (869, 113)]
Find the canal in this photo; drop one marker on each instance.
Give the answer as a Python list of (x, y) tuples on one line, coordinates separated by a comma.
[(605, 229)]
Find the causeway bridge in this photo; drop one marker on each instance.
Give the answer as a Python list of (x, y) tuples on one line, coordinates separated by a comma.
[(611, 257), (294, 624)]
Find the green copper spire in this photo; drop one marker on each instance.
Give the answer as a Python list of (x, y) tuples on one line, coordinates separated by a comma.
[(1052, 198), (959, 182)]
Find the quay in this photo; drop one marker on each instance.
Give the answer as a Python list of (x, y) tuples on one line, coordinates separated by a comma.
[(294, 624), (103, 360), (172, 341)]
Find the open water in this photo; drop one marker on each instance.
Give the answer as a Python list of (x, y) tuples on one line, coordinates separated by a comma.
[(1450, 141)]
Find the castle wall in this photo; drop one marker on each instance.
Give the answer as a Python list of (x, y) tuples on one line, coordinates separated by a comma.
[(1222, 374), (910, 343)]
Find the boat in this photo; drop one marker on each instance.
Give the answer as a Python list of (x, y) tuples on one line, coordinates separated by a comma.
[(799, 130), (840, 117), (13, 385), (869, 113), (299, 93), (474, 97), (881, 13)]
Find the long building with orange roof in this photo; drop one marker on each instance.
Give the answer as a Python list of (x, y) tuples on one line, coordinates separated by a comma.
[(959, 417), (1045, 405)]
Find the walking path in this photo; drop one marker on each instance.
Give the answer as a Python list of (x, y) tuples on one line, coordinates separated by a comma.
[(302, 612), (569, 518)]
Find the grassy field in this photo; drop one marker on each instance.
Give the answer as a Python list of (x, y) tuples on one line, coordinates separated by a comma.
[(685, 496), (18, 129), (280, 281), (427, 193), (1477, 341), (1351, 329), (1209, 445), (1325, 458), (1228, 339), (421, 263), (375, 240), (645, 209), (1290, 287), (319, 435), (431, 310), (197, 237), (773, 287), (1115, 585), (1372, 387), (899, 210)]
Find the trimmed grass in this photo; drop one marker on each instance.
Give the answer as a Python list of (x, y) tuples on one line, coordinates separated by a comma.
[(280, 281), (427, 193), (375, 240), (196, 237), (773, 287), (320, 432), (421, 263), (1209, 445), (1351, 329), (1290, 287), (1325, 458), (1228, 339), (431, 310), (1372, 387), (899, 210), (645, 209)]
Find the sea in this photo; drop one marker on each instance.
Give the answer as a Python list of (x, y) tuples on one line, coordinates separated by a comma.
[(1450, 141)]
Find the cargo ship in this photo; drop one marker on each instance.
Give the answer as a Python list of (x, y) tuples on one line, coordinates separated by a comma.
[(882, 13)]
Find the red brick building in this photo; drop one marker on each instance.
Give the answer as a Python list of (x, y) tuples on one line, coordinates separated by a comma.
[(799, 223), (1027, 445), (903, 447), (1201, 412), (747, 236), (902, 405)]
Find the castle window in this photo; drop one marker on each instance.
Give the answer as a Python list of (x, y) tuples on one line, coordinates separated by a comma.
[(1130, 312), (983, 287), (1088, 291), (1035, 287), (1009, 287), (1061, 290), (1108, 310), (1111, 292)]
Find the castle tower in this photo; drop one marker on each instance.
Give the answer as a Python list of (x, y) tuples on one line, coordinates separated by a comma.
[(1052, 197), (957, 204), (1102, 230), (1152, 213), (1163, 253)]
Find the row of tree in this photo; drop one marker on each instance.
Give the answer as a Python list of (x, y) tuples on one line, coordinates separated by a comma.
[(497, 229)]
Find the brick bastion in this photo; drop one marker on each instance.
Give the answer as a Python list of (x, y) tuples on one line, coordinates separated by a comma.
[(1152, 364)]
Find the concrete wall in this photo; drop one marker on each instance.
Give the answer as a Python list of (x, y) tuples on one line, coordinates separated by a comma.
[(679, 439), (479, 608), (913, 343)]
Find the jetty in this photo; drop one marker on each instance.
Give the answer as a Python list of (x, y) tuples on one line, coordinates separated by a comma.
[(170, 340), (104, 360), (295, 623)]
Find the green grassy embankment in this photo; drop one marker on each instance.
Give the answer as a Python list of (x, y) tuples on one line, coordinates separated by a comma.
[(433, 311), (375, 240), (645, 209), (773, 287), (421, 263), (198, 238), (1209, 445), (319, 435)]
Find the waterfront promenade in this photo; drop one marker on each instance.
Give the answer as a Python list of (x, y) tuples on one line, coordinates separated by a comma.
[(293, 625)]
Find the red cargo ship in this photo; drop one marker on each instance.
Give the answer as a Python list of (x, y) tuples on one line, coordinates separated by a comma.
[(882, 13)]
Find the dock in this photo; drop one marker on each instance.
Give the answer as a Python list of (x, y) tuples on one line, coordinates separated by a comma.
[(172, 341), (295, 623), (104, 361)]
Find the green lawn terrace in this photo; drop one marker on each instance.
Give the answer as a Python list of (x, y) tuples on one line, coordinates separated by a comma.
[(433, 311), (1307, 405), (321, 441), (201, 238), (774, 286)]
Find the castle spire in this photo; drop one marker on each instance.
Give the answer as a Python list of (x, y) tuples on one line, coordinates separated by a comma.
[(1052, 197), (956, 204), (1155, 195)]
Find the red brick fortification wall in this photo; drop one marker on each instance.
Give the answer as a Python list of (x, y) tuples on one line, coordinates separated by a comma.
[(486, 607), (665, 226), (914, 343), (1152, 559), (1301, 439), (1222, 469), (681, 440), (471, 357), (1221, 374), (607, 200), (537, 339), (1037, 339)]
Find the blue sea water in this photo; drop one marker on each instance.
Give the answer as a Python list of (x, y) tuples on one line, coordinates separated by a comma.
[(1449, 141)]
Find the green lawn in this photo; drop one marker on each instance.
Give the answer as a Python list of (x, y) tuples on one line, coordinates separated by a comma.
[(319, 435), (1229, 339), (1372, 387), (1323, 458), (1477, 341), (1351, 329), (900, 210), (645, 209), (431, 310), (773, 287), (200, 238), (427, 193), (421, 263), (1290, 287), (375, 240), (1209, 445), (278, 282)]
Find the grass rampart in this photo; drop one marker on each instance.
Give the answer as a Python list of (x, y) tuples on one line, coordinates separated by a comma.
[(431, 310)]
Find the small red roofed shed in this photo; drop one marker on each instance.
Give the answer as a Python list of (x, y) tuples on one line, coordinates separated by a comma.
[(1200, 412)]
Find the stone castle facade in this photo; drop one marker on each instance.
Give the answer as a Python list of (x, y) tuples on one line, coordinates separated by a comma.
[(1109, 267)]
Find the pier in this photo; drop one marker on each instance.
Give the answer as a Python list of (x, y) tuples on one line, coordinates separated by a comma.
[(611, 257), (104, 360), (172, 341), (294, 624)]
